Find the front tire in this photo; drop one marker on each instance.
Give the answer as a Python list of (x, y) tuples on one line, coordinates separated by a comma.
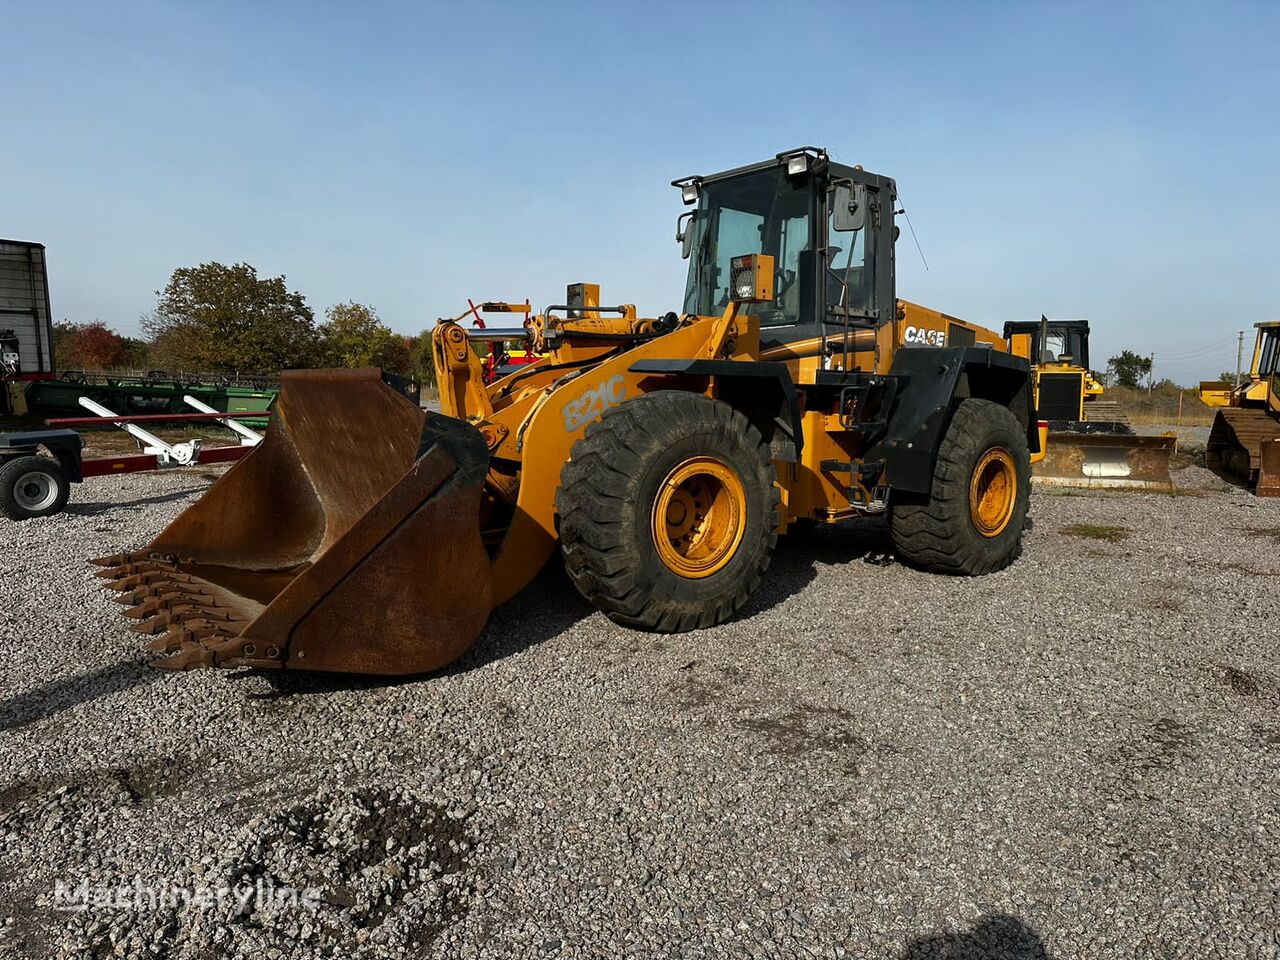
[(668, 507), (32, 487), (972, 522)]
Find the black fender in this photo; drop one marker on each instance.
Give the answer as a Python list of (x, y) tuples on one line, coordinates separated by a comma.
[(930, 382), (762, 390), (65, 445)]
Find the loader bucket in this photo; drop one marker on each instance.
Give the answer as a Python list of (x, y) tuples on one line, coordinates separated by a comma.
[(348, 541), (1103, 460)]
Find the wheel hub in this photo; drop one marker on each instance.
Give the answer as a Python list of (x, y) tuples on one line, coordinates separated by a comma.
[(993, 491), (35, 491), (698, 517)]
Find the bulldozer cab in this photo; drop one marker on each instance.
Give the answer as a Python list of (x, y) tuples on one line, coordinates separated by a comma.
[(828, 227), (1266, 364), (1062, 342)]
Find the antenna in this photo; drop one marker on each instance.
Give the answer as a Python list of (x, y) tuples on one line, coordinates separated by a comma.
[(904, 213)]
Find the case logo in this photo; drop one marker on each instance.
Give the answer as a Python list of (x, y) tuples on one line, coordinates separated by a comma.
[(925, 337)]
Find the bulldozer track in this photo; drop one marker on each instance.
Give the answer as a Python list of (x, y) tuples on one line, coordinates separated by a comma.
[(1236, 447), (1105, 410)]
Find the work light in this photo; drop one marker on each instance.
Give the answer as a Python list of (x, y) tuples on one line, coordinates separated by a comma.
[(751, 278), (797, 164)]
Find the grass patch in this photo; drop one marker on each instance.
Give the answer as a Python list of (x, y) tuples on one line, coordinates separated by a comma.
[(1089, 531)]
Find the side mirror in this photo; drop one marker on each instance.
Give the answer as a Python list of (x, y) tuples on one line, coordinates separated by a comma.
[(848, 207), (684, 233)]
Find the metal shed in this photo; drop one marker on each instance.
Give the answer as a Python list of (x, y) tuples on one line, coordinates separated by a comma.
[(24, 308)]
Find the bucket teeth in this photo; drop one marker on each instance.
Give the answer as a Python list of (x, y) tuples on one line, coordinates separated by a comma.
[(117, 559), (190, 632), (189, 656), (171, 602), (157, 588), (165, 643), (128, 570), (152, 625), (150, 578)]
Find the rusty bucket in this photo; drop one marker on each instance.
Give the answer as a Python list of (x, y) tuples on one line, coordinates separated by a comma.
[(347, 541)]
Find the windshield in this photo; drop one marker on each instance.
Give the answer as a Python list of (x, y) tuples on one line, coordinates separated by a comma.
[(762, 212), (1066, 345)]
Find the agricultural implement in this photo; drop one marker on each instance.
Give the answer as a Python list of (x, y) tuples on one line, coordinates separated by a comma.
[(662, 456), (1091, 444), (37, 467)]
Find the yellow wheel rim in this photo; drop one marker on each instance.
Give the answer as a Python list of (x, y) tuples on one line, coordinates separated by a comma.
[(698, 517), (993, 491)]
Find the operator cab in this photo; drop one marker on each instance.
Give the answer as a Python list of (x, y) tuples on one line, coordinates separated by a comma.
[(828, 227), (1065, 341)]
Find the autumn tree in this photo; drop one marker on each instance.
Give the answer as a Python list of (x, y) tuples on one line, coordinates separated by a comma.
[(353, 336), (219, 317), (89, 346), (1129, 368)]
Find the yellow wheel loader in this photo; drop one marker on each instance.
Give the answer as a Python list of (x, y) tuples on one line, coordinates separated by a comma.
[(1244, 441), (1091, 443), (662, 456)]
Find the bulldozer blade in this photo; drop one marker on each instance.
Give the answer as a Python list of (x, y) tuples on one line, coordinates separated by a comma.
[(1269, 469), (348, 540), (1106, 461)]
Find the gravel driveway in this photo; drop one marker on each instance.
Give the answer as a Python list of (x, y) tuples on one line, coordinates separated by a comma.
[(1075, 757)]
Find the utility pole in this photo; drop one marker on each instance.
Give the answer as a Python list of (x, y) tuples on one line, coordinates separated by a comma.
[(1151, 375), (1239, 357)]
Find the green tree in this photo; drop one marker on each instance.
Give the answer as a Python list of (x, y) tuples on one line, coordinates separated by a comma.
[(219, 317), (353, 336), (64, 335), (424, 365), (137, 353), (1129, 368)]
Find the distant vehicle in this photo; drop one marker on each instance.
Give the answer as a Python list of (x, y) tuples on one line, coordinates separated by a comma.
[(1244, 442), (26, 326)]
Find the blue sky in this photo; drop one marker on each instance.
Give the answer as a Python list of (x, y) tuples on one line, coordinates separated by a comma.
[(1119, 162)]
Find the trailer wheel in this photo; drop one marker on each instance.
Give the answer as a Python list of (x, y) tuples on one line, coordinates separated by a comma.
[(668, 507), (972, 522), (32, 486)]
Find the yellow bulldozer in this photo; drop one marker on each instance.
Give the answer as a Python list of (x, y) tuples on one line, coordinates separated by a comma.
[(1091, 443), (1244, 441), (662, 456)]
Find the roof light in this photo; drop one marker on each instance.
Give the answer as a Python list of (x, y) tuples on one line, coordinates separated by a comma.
[(797, 164)]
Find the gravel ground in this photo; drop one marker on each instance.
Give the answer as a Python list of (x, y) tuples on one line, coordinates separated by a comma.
[(1075, 757)]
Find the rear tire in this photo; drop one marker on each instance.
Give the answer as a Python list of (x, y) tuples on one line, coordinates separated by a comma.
[(32, 487), (668, 507), (973, 520)]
